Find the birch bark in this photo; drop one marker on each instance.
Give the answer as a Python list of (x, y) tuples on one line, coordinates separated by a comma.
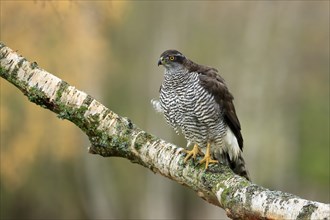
[(113, 135)]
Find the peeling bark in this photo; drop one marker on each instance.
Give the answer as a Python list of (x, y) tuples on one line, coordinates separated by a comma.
[(112, 135)]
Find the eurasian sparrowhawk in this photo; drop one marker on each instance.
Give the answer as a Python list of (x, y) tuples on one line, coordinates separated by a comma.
[(195, 99)]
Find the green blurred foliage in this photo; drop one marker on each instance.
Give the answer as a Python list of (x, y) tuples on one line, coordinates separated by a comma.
[(274, 56)]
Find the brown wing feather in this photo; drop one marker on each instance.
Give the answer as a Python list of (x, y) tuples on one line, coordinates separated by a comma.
[(215, 84)]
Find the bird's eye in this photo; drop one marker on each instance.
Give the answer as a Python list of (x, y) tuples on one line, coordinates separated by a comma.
[(171, 58)]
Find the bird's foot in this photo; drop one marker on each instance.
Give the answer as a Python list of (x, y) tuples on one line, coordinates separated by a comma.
[(207, 158), (192, 153)]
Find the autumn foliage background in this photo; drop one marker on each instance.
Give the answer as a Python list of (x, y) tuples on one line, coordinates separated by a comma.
[(274, 56)]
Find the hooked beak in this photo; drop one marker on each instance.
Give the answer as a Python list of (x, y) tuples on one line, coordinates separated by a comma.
[(160, 61)]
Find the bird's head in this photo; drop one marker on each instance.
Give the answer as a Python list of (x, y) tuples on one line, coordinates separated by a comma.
[(171, 59)]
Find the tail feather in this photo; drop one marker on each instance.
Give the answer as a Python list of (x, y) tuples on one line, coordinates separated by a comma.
[(237, 166)]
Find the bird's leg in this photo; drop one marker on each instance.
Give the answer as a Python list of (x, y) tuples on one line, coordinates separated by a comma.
[(207, 158), (192, 153)]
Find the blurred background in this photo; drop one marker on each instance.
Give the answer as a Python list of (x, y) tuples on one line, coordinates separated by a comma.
[(273, 55)]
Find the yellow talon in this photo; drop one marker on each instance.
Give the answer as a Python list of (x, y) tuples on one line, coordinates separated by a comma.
[(207, 158), (192, 153)]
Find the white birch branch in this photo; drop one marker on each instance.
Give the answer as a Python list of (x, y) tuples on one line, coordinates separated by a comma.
[(113, 135)]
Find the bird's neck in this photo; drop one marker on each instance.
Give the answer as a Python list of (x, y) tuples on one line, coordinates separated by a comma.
[(177, 76)]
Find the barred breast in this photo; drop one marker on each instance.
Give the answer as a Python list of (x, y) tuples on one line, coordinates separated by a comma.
[(188, 107)]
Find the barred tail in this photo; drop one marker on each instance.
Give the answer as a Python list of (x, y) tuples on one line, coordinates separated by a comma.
[(237, 166)]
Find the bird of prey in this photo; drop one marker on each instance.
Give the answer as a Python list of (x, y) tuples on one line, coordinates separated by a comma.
[(196, 101)]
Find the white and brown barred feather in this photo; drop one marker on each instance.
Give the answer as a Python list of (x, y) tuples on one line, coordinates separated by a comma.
[(211, 81), (215, 84)]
